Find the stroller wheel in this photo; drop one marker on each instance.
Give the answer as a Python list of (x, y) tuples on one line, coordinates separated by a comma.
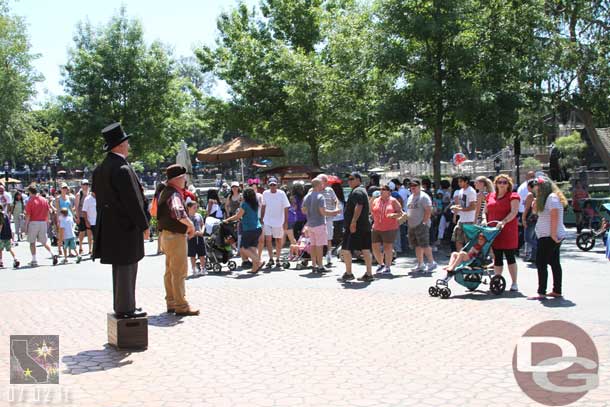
[(286, 265), (445, 292), (299, 266), (232, 265), (433, 291), (217, 268), (304, 263), (497, 284)]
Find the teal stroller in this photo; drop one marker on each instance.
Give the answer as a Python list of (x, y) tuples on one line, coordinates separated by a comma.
[(472, 273)]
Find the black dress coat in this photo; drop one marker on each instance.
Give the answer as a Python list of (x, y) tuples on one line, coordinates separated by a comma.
[(121, 219)]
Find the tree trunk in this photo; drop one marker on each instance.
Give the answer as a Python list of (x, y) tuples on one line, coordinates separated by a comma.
[(314, 147), (438, 144)]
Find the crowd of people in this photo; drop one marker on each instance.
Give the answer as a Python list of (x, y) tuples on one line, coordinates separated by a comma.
[(375, 223)]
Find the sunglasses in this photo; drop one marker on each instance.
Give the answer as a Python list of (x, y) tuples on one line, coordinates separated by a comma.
[(351, 179), (502, 182)]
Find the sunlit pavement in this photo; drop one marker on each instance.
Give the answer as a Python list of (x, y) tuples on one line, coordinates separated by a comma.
[(285, 338)]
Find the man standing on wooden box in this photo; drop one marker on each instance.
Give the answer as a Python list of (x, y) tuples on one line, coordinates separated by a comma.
[(121, 220)]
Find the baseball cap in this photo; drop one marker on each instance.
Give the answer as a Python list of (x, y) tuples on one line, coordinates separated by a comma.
[(392, 186), (234, 184), (355, 174), (415, 182), (63, 185), (225, 185), (84, 182), (272, 181)]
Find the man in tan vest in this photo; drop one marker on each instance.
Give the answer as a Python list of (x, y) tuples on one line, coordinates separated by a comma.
[(175, 226)]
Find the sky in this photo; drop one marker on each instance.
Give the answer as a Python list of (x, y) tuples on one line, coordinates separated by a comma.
[(182, 24)]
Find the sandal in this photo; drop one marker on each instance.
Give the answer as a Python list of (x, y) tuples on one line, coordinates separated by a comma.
[(257, 269), (538, 297), (553, 294)]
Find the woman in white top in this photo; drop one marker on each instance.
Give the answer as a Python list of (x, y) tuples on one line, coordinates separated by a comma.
[(549, 205), (214, 209)]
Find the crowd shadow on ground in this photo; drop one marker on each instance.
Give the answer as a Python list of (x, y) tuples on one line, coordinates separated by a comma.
[(164, 320), (484, 295), (96, 360)]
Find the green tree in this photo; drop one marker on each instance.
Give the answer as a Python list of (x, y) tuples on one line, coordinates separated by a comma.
[(288, 82), (113, 75), (572, 148), (40, 139), (17, 80), (459, 66)]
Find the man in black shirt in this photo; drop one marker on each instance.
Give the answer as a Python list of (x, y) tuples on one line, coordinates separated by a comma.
[(357, 228)]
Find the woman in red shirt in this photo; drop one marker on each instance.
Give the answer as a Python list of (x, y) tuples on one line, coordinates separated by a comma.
[(502, 207), (385, 210)]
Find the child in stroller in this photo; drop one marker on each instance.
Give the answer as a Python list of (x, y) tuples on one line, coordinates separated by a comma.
[(467, 266), (218, 244), (460, 257), (301, 251)]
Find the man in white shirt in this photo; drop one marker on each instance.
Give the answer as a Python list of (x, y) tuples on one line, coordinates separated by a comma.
[(523, 191), (274, 215), (467, 199), (89, 214)]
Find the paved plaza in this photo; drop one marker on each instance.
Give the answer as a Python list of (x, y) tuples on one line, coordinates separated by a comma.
[(292, 338)]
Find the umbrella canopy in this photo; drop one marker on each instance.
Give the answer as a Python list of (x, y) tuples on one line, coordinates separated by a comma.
[(10, 181), (239, 148)]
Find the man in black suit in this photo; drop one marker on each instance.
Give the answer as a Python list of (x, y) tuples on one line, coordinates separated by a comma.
[(122, 220)]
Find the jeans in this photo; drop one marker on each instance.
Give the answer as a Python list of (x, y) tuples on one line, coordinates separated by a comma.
[(548, 255), (398, 243), (403, 237), (531, 241)]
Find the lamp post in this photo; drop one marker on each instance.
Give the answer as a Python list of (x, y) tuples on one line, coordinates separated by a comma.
[(53, 161), (6, 167), (27, 169)]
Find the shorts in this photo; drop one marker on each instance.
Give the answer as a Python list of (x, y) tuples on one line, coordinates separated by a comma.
[(37, 231), (318, 236), (330, 228), (5, 245), (82, 226), (276, 231), (249, 238), (458, 235), (196, 247), (419, 236), (383, 236), (70, 243), (361, 240)]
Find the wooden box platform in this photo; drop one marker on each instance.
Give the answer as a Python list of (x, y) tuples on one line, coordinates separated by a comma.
[(129, 333)]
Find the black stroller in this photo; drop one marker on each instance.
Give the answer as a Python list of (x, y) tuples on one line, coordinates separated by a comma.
[(218, 247)]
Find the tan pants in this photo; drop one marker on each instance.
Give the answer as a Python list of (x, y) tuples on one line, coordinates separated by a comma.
[(176, 269)]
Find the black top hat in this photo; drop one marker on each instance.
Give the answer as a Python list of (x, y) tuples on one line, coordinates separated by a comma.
[(114, 135)]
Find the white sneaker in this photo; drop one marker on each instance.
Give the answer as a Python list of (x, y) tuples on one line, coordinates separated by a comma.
[(514, 287), (431, 266), (418, 268)]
